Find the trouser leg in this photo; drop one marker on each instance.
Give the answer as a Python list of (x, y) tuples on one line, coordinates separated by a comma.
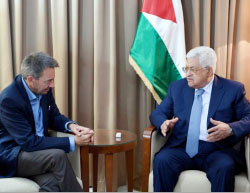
[(168, 164), (54, 164), (220, 169), (47, 182)]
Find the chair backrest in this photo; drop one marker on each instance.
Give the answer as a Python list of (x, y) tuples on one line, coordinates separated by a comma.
[(75, 160), (247, 155), (74, 157), (155, 147)]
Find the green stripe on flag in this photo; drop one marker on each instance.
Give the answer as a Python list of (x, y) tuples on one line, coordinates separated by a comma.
[(151, 55)]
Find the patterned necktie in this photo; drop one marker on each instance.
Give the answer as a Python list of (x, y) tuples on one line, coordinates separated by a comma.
[(194, 125)]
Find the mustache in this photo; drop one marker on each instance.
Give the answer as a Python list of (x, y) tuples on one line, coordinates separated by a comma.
[(190, 77)]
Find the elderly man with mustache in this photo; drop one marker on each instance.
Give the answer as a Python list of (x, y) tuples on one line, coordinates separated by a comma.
[(207, 117)]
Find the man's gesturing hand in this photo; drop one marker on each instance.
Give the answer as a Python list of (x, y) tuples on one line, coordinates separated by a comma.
[(220, 131), (168, 124)]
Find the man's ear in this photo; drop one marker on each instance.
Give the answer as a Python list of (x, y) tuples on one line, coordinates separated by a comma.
[(29, 79), (210, 71)]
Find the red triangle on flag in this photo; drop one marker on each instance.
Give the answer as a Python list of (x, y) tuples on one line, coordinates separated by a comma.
[(161, 8)]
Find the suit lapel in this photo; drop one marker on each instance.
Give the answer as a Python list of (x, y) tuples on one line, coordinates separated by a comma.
[(43, 104), (22, 90), (188, 94), (216, 97)]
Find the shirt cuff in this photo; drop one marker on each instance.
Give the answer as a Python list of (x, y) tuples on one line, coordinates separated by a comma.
[(72, 143), (67, 124)]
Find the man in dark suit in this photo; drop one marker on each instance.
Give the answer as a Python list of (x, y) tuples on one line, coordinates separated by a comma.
[(27, 110), (207, 116)]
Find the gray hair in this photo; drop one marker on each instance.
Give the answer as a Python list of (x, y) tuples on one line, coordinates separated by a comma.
[(35, 63), (206, 56)]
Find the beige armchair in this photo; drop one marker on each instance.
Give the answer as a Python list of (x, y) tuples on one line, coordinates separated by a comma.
[(190, 180), (17, 184)]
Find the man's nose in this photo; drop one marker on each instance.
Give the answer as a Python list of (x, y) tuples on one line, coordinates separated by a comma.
[(51, 84), (188, 72)]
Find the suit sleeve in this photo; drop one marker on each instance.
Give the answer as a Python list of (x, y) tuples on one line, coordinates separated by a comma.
[(241, 127), (14, 119), (163, 111), (56, 120)]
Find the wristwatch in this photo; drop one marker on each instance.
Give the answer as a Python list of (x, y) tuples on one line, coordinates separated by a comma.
[(231, 132)]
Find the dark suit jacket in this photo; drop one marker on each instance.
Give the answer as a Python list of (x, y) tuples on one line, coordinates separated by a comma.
[(227, 104), (17, 126)]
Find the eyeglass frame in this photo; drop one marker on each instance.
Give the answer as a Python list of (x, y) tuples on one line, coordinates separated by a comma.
[(193, 69)]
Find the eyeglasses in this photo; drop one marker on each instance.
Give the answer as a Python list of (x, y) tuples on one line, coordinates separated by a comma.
[(192, 69)]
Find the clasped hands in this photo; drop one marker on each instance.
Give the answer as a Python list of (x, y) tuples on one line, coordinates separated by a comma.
[(220, 131), (83, 135)]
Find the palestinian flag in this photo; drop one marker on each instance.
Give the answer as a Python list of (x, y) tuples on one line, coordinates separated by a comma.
[(158, 52)]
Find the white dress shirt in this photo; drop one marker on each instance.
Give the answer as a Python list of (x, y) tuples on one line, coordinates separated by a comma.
[(205, 106)]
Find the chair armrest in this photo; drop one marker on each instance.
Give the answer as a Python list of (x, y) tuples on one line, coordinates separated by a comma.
[(146, 155), (74, 157), (247, 154), (152, 142)]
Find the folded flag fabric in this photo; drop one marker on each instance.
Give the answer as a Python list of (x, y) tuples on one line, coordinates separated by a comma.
[(158, 52)]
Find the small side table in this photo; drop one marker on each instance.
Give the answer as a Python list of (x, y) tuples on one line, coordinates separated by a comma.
[(106, 143)]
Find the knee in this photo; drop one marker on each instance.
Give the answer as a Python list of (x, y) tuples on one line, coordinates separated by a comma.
[(220, 163), (58, 155), (227, 166), (161, 161)]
